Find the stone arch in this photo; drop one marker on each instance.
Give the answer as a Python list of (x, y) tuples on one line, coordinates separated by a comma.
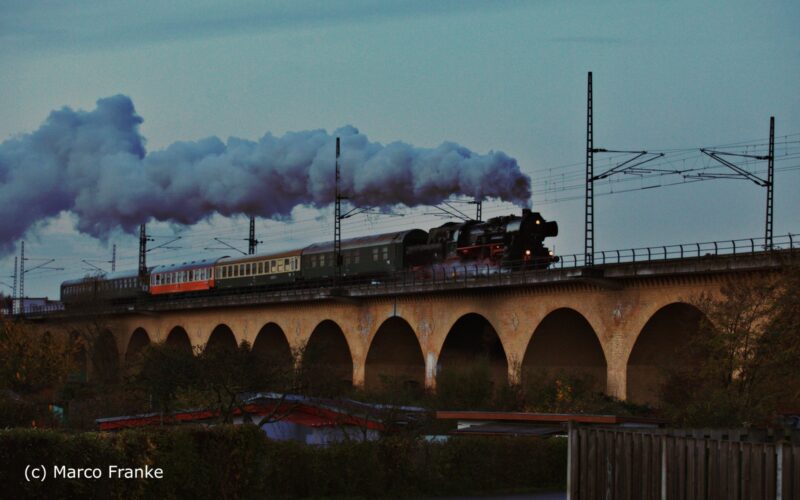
[(395, 355), (80, 358), (105, 358), (221, 338), (565, 342), (179, 339), (666, 332), (470, 341), (272, 346), (327, 362), (138, 341)]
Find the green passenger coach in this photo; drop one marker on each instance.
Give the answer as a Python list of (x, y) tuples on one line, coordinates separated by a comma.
[(364, 256)]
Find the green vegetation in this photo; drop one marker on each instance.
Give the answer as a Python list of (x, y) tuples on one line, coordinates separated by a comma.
[(747, 354), (240, 462)]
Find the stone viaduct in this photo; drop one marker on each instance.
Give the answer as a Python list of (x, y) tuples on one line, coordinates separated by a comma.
[(617, 323)]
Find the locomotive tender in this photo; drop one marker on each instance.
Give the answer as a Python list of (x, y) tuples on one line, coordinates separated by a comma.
[(510, 242)]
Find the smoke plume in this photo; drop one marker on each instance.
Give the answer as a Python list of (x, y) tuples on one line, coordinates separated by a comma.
[(94, 164)]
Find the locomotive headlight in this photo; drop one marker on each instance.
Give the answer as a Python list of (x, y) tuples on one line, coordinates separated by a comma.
[(551, 253), (538, 222), (527, 252)]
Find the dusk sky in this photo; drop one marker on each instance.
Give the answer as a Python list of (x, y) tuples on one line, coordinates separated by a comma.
[(494, 77)]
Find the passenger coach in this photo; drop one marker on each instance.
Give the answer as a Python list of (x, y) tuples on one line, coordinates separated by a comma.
[(187, 277)]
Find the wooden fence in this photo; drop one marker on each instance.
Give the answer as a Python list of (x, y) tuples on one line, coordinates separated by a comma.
[(615, 463)]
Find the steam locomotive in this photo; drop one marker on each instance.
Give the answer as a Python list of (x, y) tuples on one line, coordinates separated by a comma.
[(506, 242)]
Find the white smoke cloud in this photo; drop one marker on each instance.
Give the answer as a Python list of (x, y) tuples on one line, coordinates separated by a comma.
[(94, 165)]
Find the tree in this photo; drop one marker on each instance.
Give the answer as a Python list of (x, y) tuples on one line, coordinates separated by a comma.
[(214, 377), (161, 372), (32, 361), (748, 348)]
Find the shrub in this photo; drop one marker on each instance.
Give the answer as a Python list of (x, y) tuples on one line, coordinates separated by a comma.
[(240, 462)]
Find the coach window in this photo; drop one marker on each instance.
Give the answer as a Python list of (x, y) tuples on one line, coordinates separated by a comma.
[(375, 255), (386, 253)]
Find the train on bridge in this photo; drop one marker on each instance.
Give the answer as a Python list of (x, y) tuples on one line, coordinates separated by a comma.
[(508, 242)]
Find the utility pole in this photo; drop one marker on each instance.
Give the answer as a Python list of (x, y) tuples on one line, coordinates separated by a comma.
[(252, 243), (589, 206), (22, 277), (479, 210), (14, 289), (337, 227), (114, 257), (142, 251), (740, 173), (630, 166), (770, 184)]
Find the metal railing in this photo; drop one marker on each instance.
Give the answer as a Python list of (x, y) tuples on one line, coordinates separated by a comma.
[(682, 251)]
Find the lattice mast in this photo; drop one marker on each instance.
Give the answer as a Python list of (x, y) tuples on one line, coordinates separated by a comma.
[(252, 243), (142, 251), (589, 205), (770, 184), (337, 226)]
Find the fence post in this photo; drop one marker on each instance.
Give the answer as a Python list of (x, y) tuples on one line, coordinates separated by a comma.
[(778, 471), (663, 467), (571, 443)]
